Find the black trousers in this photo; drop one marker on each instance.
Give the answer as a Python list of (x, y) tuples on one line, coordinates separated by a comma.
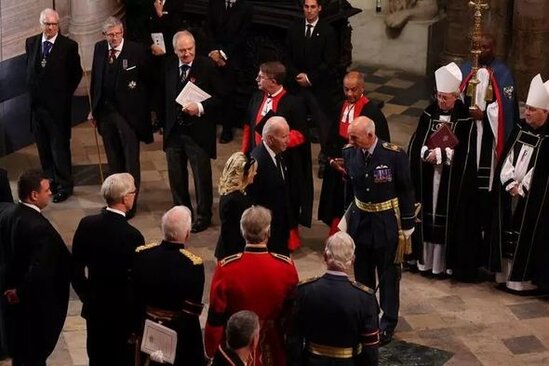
[(54, 149), (180, 149), (107, 342), (121, 146), (370, 261)]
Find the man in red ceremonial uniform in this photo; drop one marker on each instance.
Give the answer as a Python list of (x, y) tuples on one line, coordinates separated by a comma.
[(330, 208), (255, 280), (273, 99)]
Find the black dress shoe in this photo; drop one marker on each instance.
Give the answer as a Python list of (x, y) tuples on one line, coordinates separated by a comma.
[(200, 225), (226, 137), (60, 196), (385, 337)]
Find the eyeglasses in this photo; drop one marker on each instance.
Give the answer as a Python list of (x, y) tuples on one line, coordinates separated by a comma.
[(114, 34), (51, 24), (132, 192)]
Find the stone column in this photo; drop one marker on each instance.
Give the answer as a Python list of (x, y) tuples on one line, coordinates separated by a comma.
[(85, 28), (529, 51), (458, 40), (500, 23)]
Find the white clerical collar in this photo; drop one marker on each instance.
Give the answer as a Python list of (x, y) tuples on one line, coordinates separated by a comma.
[(34, 207), (116, 211), (336, 273), (51, 40), (276, 93), (119, 48)]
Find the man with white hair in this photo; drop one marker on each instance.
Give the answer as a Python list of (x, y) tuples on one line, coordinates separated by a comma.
[(120, 81), (380, 217), (169, 282), (53, 73), (271, 187), (335, 318), (189, 129), (102, 249), (519, 254), (442, 174)]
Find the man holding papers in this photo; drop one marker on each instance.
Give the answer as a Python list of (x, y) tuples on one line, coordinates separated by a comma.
[(189, 133)]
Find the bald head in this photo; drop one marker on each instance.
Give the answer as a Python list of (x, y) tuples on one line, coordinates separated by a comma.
[(362, 132), (276, 134), (353, 86)]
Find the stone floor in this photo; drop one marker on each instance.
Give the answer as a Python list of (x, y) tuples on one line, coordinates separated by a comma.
[(442, 322)]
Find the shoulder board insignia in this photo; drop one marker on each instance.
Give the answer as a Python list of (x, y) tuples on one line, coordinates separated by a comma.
[(282, 257), (308, 280), (362, 287), (194, 258), (392, 147), (230, 259), (146, 246), (347, 146)]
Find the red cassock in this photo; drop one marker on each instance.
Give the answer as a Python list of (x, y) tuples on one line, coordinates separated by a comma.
[(258, 281)]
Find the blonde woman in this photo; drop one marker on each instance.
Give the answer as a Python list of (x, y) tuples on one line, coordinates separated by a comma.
[(238, 173)]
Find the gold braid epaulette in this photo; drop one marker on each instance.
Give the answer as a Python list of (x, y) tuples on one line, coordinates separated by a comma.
[(282, 257), (347, 146), (362, 287), (230, 259), (146, 246), (391, 147), (308, 280), (193, 257)]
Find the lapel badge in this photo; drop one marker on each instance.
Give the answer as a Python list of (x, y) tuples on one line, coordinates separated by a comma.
[(43, 62), (124, 64), (508, 91), (132, 84)]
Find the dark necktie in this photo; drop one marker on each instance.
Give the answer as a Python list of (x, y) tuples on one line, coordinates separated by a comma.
[(280, 165), (46, 48), (183, 71), (366, 156), (112, 55), (309, 31)]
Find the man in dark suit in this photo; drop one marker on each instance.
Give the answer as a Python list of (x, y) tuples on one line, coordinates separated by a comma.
[(173, 295), (312, 59), (5, 189), (103, 246), (271, 187), (37, 274), (119, 91), (53, 73), (273, 99), (381, 216), (189, 131), (229, 23)]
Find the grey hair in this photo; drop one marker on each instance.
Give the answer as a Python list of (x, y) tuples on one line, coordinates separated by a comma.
[(273, 124), (44, 13), (183, 33), (176, 223), (110, 23), (339, 251), (241, 328), (116, 186), (255, 224), (364, 124)]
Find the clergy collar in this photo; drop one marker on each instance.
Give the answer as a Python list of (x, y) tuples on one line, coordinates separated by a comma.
[(114, 210), (119, 47), (34, 207), (51, 40), (276, 93)]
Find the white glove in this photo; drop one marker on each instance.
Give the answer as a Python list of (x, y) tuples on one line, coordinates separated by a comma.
[(157, 356)]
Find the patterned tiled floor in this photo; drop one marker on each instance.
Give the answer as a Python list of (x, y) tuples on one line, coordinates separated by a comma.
[(474, 324)]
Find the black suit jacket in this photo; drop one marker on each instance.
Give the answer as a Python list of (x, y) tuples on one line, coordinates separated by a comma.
[(52, 87), (38, 267), (131, 86), (5, 189), (104, 244), (229, 28), (317, 56), (271, 191), (204, 75)]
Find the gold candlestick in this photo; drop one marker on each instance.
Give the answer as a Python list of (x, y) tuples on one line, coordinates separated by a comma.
[(478, 6)]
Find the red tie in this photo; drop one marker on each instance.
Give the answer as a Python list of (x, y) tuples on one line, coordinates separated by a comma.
[(112, 55)]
